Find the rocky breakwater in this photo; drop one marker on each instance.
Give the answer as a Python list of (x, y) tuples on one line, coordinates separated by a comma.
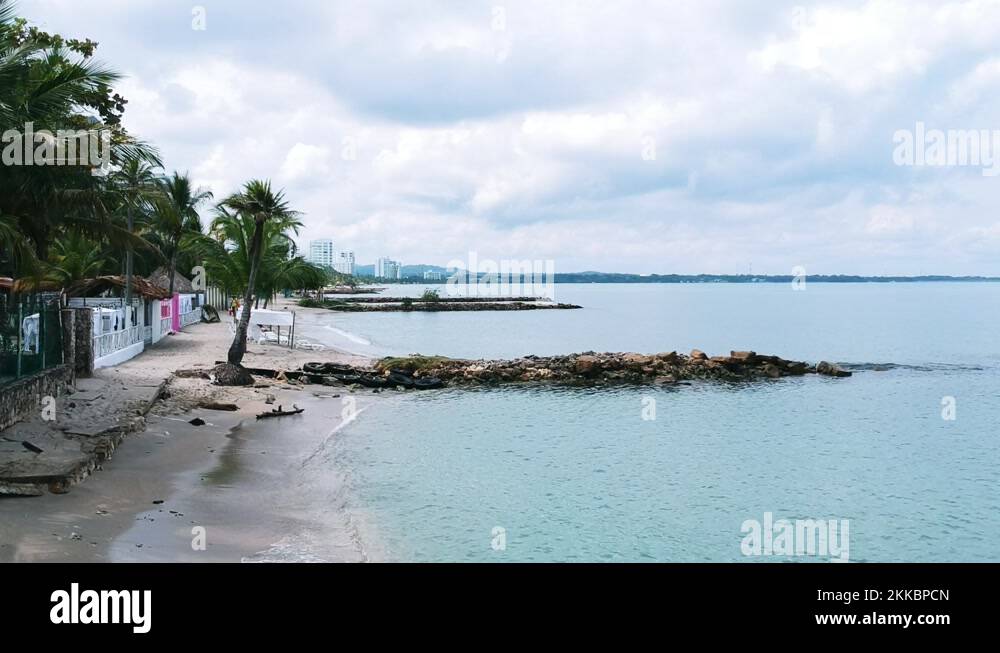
[(596, 368)]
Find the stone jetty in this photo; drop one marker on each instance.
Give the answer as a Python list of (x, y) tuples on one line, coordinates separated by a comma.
[(591, 367)]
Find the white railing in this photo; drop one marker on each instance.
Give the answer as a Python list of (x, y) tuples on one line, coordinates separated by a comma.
[(109, 343), (147, 334), (190, 317), (166, 325)]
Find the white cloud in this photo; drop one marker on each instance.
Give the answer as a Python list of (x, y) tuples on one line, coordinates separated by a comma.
[(423, 131)]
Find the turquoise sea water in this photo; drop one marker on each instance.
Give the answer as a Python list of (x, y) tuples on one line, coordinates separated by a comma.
[(580, 475)]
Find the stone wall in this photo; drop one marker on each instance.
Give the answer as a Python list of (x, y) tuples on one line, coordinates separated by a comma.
[(20, 398)]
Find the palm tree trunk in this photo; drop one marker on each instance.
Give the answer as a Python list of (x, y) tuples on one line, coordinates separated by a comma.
[(239, 346), (173, 268), (128, 262)]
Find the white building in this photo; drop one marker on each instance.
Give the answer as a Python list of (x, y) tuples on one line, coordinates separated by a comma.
[(386, 268), (431, 275), (344, 263), (321, 252)]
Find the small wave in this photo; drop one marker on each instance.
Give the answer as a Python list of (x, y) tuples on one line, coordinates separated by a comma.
[(287, 549), (345, 421), (353, 337)]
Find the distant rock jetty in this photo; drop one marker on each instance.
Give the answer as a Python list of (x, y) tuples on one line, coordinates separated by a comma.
[(590, 367), (442, 304)]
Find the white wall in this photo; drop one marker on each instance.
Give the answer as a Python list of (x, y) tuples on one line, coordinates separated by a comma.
[(155, 317), (119, 356)]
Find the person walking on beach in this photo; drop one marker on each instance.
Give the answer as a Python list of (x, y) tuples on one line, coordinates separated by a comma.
[(233, 307)]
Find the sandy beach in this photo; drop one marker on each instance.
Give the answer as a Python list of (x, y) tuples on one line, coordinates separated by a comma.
[(233, 489)]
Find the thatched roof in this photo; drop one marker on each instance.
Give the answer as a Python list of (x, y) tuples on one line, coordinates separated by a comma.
[(161, 277), (96, 286), (29, 285)]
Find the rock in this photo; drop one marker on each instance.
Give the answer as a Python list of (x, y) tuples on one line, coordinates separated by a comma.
[(668, 357), (831, 369), (698, 355), (585, 364), (722, 360), (796, 368), (747, 357), (637, 359), (772, 371), (669, 379), (197, 421)]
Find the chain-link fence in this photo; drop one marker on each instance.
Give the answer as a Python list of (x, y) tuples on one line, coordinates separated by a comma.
[(30, 335)]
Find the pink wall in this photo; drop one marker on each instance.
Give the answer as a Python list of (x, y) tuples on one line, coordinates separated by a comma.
[(175, 310)]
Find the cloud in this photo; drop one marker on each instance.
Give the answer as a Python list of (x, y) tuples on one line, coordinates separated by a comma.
[(633, 136)]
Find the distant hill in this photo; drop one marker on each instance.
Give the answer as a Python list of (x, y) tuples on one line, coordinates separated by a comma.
[(416, 272)]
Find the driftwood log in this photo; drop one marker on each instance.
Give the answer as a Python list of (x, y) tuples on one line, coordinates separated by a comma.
[(278, 412)]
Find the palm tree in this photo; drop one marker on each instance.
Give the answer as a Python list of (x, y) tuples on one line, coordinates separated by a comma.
[(137, 186), (226, 253), (56, 85), (175, 213), (256, 202), (74, 257)]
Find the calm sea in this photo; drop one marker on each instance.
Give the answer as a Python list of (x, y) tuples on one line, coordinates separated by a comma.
[(671, 474)]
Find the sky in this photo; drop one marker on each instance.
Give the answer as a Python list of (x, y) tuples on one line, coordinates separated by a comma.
[(647, 137)]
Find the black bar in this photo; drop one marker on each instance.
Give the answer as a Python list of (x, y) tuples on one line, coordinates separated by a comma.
[(248, 602)]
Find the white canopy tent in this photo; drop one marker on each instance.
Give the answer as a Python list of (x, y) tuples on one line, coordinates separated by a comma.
[(273, 320)]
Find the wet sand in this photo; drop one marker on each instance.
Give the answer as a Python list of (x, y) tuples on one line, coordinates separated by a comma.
[(261, 490), (249, 490)]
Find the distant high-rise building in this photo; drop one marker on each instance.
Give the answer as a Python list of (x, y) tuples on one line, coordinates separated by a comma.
[(386, 268), (344, 263), (431, 275), (321, 252)]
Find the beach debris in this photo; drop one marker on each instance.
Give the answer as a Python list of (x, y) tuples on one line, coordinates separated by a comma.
[(278, 412), (270, 399), (30, 447), (192, 374), (197, 421), (214, 405), (209, 314)]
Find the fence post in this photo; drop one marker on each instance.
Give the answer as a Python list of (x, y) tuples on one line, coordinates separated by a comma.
[(20, 335), (41, 331)]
